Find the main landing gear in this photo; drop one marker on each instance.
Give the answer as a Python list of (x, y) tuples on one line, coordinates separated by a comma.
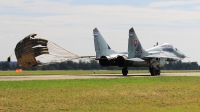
[(125, 71), (154, 71)]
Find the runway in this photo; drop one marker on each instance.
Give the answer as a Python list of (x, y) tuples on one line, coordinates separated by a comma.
[(89, 76)]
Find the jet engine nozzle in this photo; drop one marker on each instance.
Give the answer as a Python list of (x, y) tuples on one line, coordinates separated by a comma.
[(121, 60)]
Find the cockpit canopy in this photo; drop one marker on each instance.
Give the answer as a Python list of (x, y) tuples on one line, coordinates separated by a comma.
[(167, 47)]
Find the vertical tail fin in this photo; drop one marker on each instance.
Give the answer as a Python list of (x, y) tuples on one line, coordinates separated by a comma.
[(135, 49), (101, 46)]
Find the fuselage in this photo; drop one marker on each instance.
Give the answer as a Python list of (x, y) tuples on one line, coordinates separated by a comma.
[(160, 53)]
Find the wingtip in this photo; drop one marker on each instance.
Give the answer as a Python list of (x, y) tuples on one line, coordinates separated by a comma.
[(131, 30)]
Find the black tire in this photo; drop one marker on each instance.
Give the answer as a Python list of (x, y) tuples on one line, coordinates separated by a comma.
[(158, 72), (125, 71), (153, 71)]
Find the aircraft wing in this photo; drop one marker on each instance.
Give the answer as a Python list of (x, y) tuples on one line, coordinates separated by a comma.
[(135, 59), (91, 57), (168, 56)]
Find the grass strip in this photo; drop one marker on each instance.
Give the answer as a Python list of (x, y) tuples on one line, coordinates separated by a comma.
[(177, 93)]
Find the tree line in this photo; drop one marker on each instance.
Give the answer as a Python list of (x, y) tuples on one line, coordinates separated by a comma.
[(94, 65)]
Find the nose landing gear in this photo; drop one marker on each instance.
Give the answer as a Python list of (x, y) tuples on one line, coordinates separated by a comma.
[(154, 71)]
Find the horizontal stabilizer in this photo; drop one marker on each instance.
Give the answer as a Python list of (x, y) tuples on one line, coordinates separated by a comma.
[(135, 59), (87, 56)]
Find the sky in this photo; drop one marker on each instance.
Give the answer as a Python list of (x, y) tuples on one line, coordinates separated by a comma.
[(70, 24)]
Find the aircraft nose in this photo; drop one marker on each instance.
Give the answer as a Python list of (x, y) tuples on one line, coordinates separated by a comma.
[(183, 55)]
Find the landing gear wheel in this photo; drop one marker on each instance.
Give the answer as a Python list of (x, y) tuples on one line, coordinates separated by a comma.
[(125, 71), (153, 71), (158, 71)]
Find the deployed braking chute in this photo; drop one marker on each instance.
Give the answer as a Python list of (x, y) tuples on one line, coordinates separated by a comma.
[(33, 51)]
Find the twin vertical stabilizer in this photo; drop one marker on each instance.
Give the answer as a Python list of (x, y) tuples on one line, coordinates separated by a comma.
[(101, 46), (135, 49)]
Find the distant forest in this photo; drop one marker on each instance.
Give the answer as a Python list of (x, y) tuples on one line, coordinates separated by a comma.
[(94, 65)]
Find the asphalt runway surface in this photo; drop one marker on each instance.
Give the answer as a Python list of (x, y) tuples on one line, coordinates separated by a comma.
[(58, 77)]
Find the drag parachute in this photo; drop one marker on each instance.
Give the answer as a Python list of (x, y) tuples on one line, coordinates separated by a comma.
[(33, 51)]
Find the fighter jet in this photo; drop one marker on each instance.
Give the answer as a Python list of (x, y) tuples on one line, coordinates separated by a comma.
[(154, 58)]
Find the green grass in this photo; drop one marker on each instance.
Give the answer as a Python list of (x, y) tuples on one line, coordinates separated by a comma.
[(72, 72), (143, 94)]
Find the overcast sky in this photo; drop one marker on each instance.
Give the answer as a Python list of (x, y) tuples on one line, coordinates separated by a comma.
[(69, 23)]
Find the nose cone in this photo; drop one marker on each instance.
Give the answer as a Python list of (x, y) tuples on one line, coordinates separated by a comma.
[(183, 55), (179, 54)]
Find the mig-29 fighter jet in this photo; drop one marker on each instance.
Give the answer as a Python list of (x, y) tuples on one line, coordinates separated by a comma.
[(154, 58)]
